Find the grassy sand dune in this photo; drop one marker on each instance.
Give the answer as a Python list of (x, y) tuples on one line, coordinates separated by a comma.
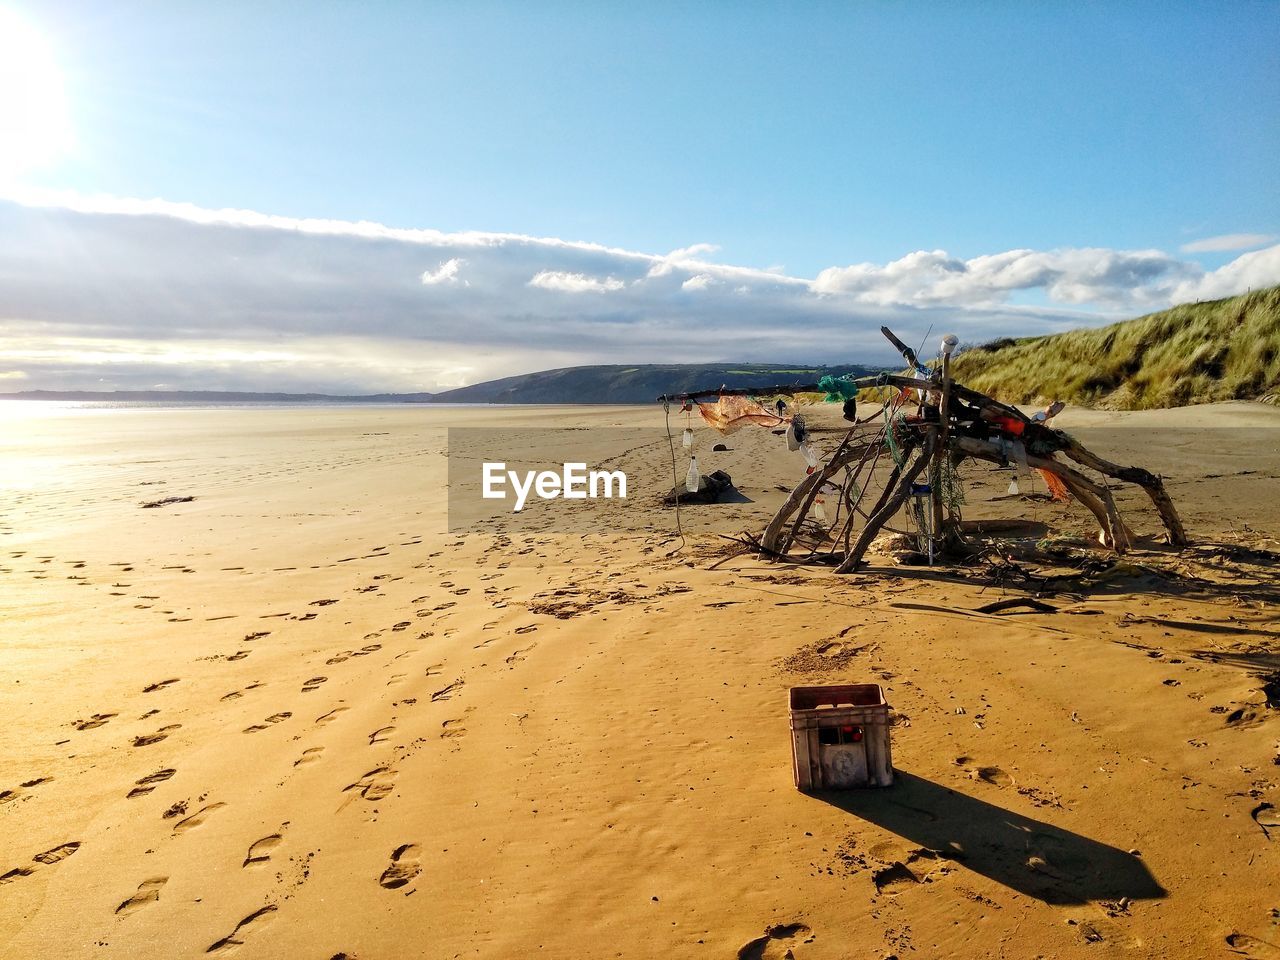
[(1193, 353)]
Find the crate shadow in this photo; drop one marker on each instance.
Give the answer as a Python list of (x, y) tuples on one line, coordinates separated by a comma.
[(1030, 856)]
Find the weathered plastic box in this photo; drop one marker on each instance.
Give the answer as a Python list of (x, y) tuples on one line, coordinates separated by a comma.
[(840, 737)]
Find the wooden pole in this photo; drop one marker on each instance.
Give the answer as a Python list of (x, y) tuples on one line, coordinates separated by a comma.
[(935, 493)]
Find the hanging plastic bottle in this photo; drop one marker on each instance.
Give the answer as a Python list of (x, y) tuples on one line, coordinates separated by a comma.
[(819, 511), (687, 441), (810, 457), (1013, 487), (797, 434), (692, 478)]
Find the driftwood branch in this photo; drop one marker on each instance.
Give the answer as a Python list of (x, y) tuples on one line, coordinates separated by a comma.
[(889, 506), (1149, 482)]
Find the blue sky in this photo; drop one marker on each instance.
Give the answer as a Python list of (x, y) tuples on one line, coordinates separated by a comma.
[(795, 138)]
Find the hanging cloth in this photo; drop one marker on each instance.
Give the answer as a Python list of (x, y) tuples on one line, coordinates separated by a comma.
[(730, 413)]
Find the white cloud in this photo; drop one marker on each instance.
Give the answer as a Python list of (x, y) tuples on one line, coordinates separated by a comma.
[(1098, 276), (686, 257), (447, 272), (145, 291), (1249, 271), (574, 282), (1228, 242)]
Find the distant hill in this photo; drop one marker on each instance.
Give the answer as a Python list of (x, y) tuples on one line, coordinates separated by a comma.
[(590, 384), (638, 383), (1193, 353), (210, 396)]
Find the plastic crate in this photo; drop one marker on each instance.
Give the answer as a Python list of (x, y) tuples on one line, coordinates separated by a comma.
[(840, 737)]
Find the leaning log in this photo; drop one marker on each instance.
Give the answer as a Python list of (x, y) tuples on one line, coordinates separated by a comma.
[(804, 492), (1149, 482)]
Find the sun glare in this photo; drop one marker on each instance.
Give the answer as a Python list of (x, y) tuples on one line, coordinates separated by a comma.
[(34, 125)]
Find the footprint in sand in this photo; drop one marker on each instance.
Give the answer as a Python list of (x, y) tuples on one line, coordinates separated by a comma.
[(448, 692), (149, 783), (309, 755), (237, 694), (375, 784), (7, 796), (60, 852), (274, 718), (402, 625), (153, 687), (774, 945), (313, 684), (453, 728), (149, 738), (97, 720), (893, 878), (176, 809), (197, 818), (1253, 948), (992, 775), (1267, 817), (404, 867), (331, 715), (380, 735), (260, 851), (235, 938), (148, 892), (519, 655)]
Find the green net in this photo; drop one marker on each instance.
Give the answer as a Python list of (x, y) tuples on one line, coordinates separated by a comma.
[(950, 485), (891, 438), (837, 389)]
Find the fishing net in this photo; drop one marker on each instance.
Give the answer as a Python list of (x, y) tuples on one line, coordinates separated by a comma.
[(837, 389)]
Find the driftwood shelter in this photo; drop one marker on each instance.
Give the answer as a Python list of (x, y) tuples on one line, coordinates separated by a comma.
[(926, 428)]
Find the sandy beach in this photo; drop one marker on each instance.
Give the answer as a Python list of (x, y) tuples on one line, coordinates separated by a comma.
[(294, 716)]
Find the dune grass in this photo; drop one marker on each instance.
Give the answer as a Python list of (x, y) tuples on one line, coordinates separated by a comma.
[(1193, 353)]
